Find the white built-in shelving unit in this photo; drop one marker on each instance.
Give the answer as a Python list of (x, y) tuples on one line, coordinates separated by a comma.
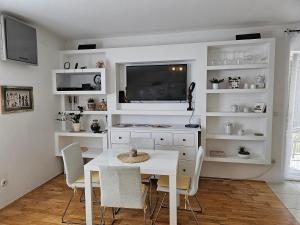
[(245, 59), (95, 143)]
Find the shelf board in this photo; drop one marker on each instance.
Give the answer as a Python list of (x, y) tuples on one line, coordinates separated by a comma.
[(236, 137), (79, 71), (152, 112), (230, 114), (235, 159), (80, 134), (89, 154), (89, 112), (83, 51), (235, 91), (238, 67), (79, 93)]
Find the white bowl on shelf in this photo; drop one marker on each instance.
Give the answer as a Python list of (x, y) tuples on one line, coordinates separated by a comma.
[(242, 156)]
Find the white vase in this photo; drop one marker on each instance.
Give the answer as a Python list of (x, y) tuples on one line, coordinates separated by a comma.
[(215, 85), (76, 127)]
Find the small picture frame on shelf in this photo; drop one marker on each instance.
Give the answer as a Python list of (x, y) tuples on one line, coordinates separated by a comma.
[(16, 99), (259, 107), (216, 153)]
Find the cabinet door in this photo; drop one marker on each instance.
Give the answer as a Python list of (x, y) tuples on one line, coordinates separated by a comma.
[(186, 167), (140, 135), (184, 140), (163, 138), (120, 137)]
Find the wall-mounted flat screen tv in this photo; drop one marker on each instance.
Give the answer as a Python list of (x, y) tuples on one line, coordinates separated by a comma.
[(19, 41), (156, 82)]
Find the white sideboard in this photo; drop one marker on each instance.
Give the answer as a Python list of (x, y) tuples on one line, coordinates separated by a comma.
[(184, 140)]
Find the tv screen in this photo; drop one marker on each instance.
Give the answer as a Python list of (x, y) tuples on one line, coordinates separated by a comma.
[(20, 41), (156, 82)]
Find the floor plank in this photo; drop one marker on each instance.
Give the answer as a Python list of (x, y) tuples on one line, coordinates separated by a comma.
[(224, 202)]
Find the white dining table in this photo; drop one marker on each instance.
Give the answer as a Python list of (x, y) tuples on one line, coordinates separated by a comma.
[(161, 162)]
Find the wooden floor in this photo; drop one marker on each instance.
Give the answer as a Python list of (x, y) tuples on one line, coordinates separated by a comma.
[(224, 203)]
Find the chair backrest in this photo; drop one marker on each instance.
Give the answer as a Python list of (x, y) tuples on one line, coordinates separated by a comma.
[(195, 178), (143, 143), (73, 163), (121, 187)]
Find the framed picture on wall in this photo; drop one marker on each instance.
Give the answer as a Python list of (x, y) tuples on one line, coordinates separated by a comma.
[(16, 99)]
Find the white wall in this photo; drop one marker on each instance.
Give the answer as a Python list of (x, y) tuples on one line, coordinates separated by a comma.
[(27, 139), (239, 171)]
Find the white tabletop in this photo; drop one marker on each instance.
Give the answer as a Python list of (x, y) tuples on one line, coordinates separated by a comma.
[(161, 162)]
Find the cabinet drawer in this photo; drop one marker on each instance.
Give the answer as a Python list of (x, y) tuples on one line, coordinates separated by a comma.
[(163, 138), (184, 139), (184, 152), (187, 153), (140, 135), (120, 147), (186, 167), (120, 137)]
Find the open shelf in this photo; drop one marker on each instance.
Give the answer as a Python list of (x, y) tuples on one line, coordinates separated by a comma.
[(89, 112), (80, 134), (235, 91), (238, 67), (236, 137), (235, 159), (153, 112), (230, 114), (80, 71)]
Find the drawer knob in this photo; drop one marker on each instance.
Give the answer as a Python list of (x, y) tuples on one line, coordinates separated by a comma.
[(183, 153), (183, 139), (161, 139), (120, 137), (183, 170)]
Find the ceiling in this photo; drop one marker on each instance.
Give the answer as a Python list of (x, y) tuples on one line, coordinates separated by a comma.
[(79, 19)]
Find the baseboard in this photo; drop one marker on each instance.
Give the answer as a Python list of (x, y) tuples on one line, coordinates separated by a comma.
[(6, 204)]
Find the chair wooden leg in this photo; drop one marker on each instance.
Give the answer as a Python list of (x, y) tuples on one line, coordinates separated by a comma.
[(160, 206)]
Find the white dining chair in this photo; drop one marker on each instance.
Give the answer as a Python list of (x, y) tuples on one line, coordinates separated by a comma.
[(121, 187), (74, 170), (149, 144), (187, 186)]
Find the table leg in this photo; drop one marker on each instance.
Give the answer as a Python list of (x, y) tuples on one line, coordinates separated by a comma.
[(88, 197), (173, 200)]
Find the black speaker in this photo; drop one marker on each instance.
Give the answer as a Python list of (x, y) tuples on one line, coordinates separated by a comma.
[(247, 36), (122, 97), (87, 46)]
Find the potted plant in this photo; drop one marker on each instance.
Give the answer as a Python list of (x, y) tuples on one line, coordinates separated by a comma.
[(73, 117), (215, 82), (243, 153), (91, 104)]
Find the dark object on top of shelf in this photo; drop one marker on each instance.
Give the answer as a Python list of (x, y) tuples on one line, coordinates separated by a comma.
[(76, 66), (122, 97), (192, 125), (248, 36), (216, 81), (258, 134), (67, 65), (243, 151), (87, 86), (190, 96), (87, 46), (95, 126), (69, 89), (83, 67)]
